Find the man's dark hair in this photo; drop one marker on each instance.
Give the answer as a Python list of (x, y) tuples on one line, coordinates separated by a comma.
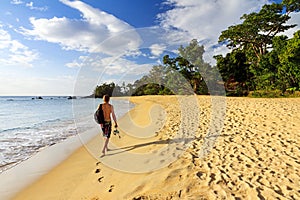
[(106, 98)]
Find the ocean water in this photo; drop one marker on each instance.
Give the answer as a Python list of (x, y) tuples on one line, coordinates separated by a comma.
[(27, 124)]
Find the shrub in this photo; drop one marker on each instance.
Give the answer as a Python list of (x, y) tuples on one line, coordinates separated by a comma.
[(266, 93), (273, 94)]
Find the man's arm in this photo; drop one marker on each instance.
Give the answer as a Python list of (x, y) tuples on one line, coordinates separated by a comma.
[(100, 107), (114, 116)]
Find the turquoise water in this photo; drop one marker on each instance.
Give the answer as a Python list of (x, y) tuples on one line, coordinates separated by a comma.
[(28, 124)]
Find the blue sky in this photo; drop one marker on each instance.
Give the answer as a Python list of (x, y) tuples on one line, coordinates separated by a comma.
[(64, 47)]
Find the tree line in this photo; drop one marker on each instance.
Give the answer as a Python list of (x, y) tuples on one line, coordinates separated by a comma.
[(261, 59)]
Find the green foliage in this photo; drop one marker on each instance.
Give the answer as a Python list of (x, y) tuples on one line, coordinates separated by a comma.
[(235, 72), (273, 94), (279, 69), (260, 60), (104, 89), (267, 76), (191, 66), (266, 93), (257, 31), (289, 70), (291, 5)]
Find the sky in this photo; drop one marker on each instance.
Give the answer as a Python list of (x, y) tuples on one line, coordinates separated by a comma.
[(67, 47)]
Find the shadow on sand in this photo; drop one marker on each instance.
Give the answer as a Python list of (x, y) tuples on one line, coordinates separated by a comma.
[(161, 142)]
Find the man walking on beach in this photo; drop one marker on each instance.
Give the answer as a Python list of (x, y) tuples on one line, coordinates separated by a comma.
[(108, 110)]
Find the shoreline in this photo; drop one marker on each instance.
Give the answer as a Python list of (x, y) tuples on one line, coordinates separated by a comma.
[(14, 179), (257, 149)]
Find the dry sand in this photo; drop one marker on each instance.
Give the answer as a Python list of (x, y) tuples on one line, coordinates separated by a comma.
[(255, 156)]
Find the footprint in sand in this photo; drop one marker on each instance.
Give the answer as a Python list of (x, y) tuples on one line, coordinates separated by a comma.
[(98, 171), (111, 188), (99, 179), (147, 161)]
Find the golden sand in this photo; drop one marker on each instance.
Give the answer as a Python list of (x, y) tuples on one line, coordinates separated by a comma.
[(255, 156)]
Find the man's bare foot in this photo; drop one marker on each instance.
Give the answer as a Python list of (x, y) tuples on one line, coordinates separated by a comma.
[(103, 152)]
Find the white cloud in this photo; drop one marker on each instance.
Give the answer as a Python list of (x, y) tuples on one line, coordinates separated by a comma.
[(87, 34), (204, 20), (8, 13), (110, 66), (30, 5), (96, 70), (295, 19), (12, 52), (157, 49), (78, 62), (124, 67), (212, 51), (16, 2)]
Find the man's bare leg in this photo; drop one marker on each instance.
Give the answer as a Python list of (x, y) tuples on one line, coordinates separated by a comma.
[(105, 145)]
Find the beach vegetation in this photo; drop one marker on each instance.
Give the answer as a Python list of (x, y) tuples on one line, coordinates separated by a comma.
[(262, 62), (273, 94), (105, 88)]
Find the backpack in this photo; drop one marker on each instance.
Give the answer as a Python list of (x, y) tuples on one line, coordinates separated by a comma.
[(98, 115)]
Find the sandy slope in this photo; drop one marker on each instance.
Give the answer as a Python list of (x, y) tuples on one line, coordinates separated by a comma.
[(255, 156)]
